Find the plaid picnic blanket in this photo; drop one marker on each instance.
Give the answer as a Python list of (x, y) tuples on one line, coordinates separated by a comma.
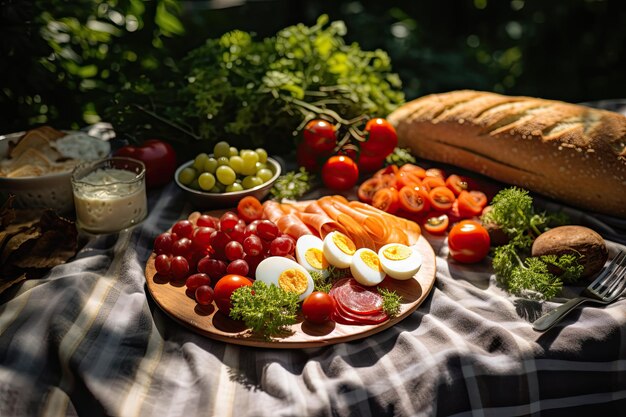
[(88, 340)]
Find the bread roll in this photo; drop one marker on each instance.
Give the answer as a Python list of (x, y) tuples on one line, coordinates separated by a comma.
[(571, 153)]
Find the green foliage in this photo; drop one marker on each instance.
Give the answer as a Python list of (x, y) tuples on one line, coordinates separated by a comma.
[(391, 301), (267, 310), (260, 92), (292, 185)]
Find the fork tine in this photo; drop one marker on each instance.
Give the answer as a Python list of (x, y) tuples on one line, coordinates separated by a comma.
[(618, 286), (616, 280), (608, 271)]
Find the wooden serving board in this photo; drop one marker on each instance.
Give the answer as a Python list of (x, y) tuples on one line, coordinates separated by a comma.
[(207, 320)]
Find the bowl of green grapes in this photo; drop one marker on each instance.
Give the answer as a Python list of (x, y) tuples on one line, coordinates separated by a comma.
[(222, 178)]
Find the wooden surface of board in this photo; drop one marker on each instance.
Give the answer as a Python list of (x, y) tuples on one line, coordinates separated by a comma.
[(172, 298)]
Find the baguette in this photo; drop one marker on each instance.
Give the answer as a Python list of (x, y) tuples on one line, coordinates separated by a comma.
[(570, 153)]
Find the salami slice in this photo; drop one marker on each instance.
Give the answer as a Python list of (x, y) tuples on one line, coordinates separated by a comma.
[(359, 299), (374, 318)]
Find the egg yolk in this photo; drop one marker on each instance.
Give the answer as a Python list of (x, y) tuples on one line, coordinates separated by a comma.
[(371, 260), (397, 252), (344, 243), (315, 258), (293, 280)]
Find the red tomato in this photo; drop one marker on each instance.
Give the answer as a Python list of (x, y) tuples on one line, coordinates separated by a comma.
[(468, 242), (159, 158), (419, 171), (471, 203), (456, 184), (319, 135), (381, 138), (370, 163), (386, 199), (435, 172), (368, 188), (225, 288), (250, 209), (441, 198), (411, 178), (318, 307), (414, 199), (340, 173), (432, 182), (306, 158), (437, 224)]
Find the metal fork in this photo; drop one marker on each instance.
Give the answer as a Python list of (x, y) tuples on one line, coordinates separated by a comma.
[(605, 289)]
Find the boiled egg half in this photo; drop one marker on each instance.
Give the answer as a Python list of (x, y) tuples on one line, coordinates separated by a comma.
[(338, 249), (310, 254), (286, 274), (366, 267), (399, 261)]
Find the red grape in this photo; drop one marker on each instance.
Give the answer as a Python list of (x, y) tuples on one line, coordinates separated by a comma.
[(196, 280), (202, 236), (215, 268), (281, 246), (183, 228), (163, 243), (207, 221), (204, 295), (182, 247), (228, 221), (162, 263), (267, 230), (253, 262), (219, 240), (238, 267), (238, 232), (179, 267), (233, 250), (252, 245)]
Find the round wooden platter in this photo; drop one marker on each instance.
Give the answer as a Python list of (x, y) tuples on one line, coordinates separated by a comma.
[(207, 320)]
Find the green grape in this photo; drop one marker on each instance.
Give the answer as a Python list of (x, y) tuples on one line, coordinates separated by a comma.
[(265, 174), (225, 175), (260, 165), (194, 184), (221, 149), (236, 163), (206, 181), (235, 186), (199, 161), (251, 181), (187, 175), (218, 188), (233, 151), (250, 158), (210, 165), (262, 154), (223, 160)]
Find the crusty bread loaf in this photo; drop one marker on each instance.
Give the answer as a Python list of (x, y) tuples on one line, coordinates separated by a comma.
[(571, 153)]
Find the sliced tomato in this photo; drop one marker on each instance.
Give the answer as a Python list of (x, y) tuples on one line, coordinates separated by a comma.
[(386, 199), (368, 188), (389, 169), (414, 199), (456, 184), (411, 178), (471, 203), (435, 172), (432, 182), (250, 209), (437, 224), (441, 198), (421, 172)]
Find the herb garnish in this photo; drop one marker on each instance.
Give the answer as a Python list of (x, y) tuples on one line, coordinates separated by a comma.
[(391, 301), (267, 310), (523, 275), (292, 185)]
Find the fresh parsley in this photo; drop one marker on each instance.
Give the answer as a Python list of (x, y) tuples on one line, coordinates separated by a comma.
[(391, 301), (267, 310), (531, 277), (292, 185)]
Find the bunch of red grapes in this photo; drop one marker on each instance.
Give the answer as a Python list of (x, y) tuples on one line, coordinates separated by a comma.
[(203, 252)]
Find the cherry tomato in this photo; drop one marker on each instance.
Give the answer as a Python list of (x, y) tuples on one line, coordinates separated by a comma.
[(471, 203), (319, 135), (370, 163), (435, 172), (421, 172), (225, 288), (432, 182), (456, 183), (411, 178), (441, 198), (318, 307), (386, 199), (250, 209), (388, 170), (381, 137), (340, 173), (414, 199), (306, 158), (159, 158), (437, 224), (468, 242), (368, 188)]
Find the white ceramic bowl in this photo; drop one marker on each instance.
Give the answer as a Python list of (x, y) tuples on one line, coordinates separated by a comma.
[(206, 200)]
